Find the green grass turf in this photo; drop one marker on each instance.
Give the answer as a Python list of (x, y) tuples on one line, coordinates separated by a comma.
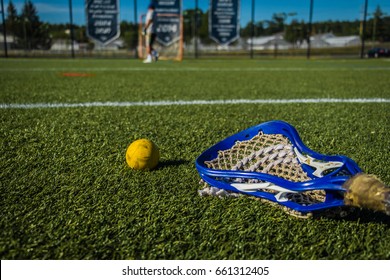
[(66, 192)]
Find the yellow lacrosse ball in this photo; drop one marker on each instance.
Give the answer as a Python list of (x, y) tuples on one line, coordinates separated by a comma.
[(142, 154)]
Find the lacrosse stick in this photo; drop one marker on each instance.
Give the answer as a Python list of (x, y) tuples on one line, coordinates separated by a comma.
[(269, 161)]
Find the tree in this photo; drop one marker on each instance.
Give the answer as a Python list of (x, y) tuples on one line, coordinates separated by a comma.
[(378, 29), (203, 30), (30, 22), (32, 33), (12, 19), (386, 29), (129, 33), (189, 17), (12, 16), (277, 23), (259, 29), (292, 32)]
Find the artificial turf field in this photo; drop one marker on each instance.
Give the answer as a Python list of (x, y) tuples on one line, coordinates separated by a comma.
[(66, 192)]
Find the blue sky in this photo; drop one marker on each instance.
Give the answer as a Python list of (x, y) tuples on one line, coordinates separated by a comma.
[(57, 11)]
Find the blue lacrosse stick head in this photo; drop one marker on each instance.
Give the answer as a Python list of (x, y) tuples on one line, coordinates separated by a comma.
[(326, 172)]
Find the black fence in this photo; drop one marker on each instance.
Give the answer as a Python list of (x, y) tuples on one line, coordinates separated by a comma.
[(305, 28)]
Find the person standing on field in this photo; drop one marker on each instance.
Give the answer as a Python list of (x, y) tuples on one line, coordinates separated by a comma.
[(150, 34)]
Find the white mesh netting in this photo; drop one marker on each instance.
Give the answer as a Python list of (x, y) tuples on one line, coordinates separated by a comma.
[(265, 153)]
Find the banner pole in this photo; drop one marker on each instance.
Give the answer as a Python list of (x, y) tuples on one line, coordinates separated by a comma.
[(252, 26), (309, 29), (4, 30), (364, 29), (196, 28), (135, 30), (71, 28)]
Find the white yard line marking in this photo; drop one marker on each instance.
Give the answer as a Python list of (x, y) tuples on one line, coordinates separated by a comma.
[(195, 69), (191, 102)]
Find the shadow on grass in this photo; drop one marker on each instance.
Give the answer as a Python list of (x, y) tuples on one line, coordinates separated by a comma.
[(367, 216), (364, 216)]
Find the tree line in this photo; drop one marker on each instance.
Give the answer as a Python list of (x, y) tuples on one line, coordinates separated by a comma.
[(30, 32)]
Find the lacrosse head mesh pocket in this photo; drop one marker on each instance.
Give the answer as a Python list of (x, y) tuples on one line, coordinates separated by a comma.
[(270, 161)]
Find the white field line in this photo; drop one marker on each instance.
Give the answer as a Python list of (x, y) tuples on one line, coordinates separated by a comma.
[(191, 102), (195, 69)]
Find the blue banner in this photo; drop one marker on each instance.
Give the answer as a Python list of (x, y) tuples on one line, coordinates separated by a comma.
[(102, 20), (168, 21), (224, 21)]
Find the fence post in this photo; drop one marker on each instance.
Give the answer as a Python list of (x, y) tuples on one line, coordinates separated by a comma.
[(196, 28), (135, 30), (252, 26), (71, 28), (364, 29), (4, 30), (309, 29)]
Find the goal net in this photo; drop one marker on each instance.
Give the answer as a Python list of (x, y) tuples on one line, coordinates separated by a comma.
[(169, 39)]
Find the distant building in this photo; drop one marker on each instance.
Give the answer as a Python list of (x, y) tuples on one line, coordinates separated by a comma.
[(269, 43), (64, 45), (10, 39), (113, 46), (327, 40), (344, 41)]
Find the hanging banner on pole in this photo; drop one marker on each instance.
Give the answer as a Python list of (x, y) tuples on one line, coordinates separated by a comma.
[(168, 21), (102, 20), (224, 21)]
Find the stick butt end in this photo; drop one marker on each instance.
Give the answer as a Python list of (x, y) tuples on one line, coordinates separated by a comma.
[(366, 191)]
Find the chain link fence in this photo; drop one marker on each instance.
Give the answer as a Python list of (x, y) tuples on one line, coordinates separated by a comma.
[(325, 28)]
